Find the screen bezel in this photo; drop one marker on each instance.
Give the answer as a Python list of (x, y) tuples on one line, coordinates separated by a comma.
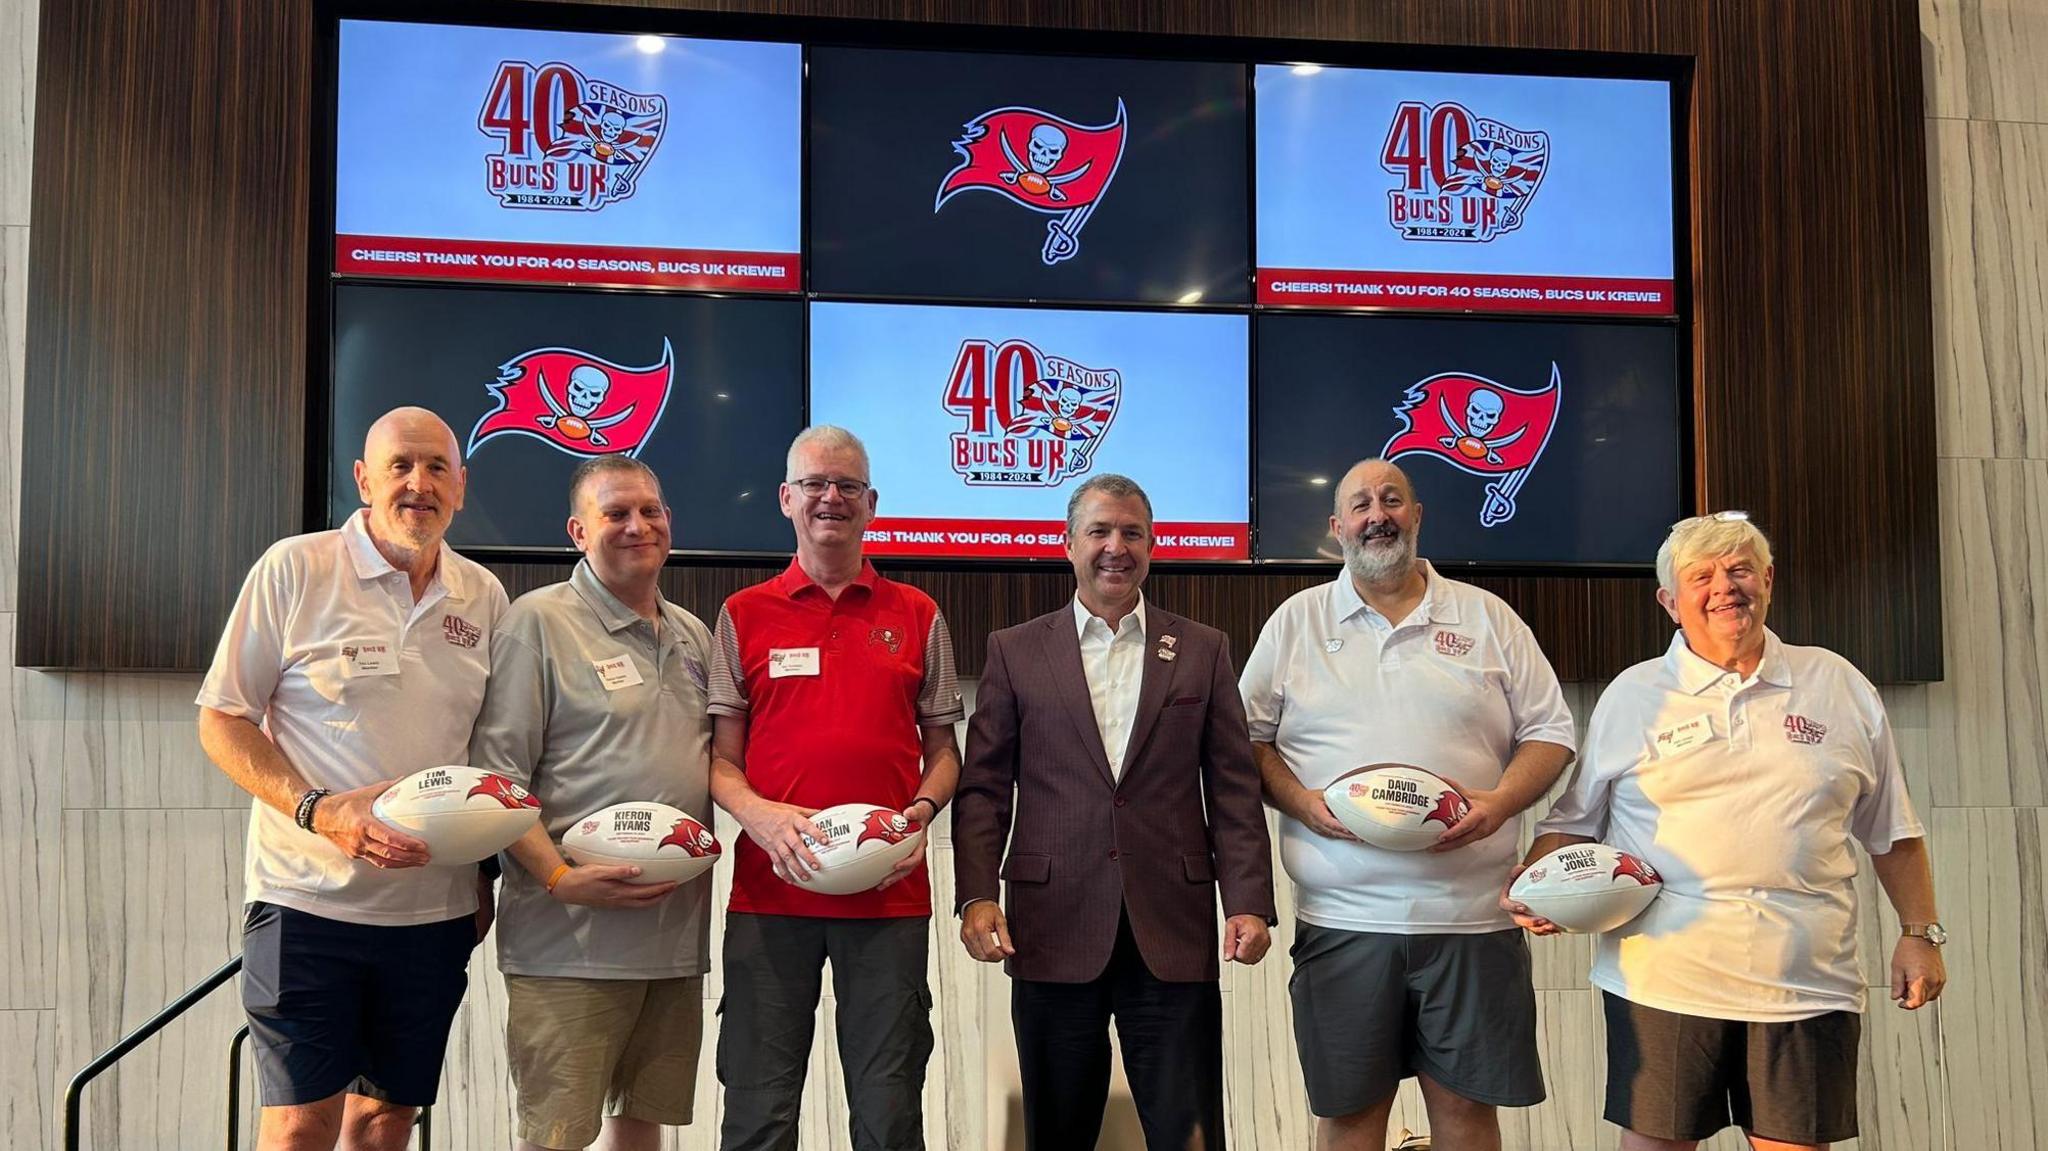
[(811, 32)]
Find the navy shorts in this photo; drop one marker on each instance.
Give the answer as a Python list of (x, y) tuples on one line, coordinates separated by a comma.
[(350, 1007)]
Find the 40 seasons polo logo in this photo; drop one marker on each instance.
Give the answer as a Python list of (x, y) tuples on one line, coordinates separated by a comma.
[(1033, 420), (566, 142), (1464, 178), (1043, 162), (576, 402), (1481, 427)]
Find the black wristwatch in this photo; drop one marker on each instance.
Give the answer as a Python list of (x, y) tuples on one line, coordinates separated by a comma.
[(930, 800)]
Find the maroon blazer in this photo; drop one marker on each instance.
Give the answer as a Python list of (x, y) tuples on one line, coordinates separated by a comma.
[(1184, 821)]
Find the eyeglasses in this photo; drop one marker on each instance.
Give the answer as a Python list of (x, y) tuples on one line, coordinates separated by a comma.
[(814, 487)]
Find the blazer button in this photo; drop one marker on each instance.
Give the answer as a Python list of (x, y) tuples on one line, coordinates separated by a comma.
[(1119, 801), (1112, 853)]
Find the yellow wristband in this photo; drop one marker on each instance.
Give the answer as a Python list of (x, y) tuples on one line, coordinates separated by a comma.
[(556, 877)]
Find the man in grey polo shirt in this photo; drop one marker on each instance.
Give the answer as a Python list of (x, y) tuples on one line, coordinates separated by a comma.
[(597, 697)]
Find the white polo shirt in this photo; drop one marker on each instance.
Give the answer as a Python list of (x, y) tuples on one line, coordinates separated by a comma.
[(1744, 794), (1334, 686), (355, 683)]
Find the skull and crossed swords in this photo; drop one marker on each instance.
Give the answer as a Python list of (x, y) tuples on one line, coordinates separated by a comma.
[(1045, 147), (588, 386), (1482, 411)]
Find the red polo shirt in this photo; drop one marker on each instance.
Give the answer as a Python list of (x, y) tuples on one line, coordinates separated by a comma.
[(848, 734)]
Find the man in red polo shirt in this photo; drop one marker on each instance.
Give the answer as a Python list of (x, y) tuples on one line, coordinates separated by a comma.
[(829, 685)]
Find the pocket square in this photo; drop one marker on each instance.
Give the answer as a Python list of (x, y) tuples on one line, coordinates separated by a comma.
[(1185, 699)]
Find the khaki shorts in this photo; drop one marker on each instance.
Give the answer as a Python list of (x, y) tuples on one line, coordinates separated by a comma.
[(582, 1049)]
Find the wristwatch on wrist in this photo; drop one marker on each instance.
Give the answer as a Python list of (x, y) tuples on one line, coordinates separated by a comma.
[(1933, 933)]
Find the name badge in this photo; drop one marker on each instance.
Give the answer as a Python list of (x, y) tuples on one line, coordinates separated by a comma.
[(1684, 737), (616, 672), (788, 661), (364, 658)]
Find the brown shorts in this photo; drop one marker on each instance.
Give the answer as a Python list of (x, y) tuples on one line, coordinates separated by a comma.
[(582, 1049), (1672, 1076)]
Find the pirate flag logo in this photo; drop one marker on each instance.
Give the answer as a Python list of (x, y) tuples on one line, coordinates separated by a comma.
[(576, 402), (884, 825), (693, 837), (1450, 808), (1043, 162), (1480, 427), (504, 791)]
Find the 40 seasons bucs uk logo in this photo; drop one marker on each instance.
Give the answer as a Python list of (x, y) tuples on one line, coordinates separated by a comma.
[(1464, 178), (1481, 427), (1043, 162), (1032, 419), (567, 142), (576, 402)]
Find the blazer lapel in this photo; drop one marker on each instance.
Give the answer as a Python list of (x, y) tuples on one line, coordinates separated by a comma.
[(1152, 689), (1063, 657)]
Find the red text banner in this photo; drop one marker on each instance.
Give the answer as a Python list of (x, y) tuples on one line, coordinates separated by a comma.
[(1041, 539), (519, 262), (1467, 291)]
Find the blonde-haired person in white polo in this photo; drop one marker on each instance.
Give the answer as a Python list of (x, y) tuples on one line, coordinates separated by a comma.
[(1741, 767)]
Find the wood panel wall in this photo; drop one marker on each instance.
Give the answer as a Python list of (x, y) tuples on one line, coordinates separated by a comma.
[(166, 372)]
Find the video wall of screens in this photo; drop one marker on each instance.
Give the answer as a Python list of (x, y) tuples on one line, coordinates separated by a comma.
[(1009, 272)]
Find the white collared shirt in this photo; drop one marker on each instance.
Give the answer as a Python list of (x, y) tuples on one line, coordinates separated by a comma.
[(317, 615), (1114, 663), (1743, 794), (1334, 686)]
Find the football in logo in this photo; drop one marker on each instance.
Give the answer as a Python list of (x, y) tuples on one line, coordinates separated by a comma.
[(1464, 178), (566, 142), (576, 402), (1043, 162), (1032, 419), (1481, 427)]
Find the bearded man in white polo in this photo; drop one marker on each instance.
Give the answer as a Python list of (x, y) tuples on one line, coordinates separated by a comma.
[(1741, 767), (1404, 964)]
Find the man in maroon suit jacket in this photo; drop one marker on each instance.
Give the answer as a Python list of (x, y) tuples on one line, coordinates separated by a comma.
[(1118, 729)]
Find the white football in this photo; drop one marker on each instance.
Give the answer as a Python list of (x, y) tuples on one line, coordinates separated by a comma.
[(1588, 887), (462, 813), (862, 842), (1395, 806), (664, 842)]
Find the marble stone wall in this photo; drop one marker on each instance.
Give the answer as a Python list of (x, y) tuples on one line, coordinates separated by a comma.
[(120, 847)]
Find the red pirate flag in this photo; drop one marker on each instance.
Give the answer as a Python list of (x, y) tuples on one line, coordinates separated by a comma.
[(1042, 161), (1480, 427), (504, 791), (693, 837), (885, 825), (577, 402)]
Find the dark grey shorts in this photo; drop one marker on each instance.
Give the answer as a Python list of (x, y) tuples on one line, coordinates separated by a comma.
[(1672, 1076), (1372, 1009)]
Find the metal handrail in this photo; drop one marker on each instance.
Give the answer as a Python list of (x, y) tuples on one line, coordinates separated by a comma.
[(74, 1092)]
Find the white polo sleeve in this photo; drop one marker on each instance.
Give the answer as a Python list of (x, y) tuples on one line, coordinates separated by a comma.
[(1883, 815), (1613, 745), (1535, 699), (1262, 683), (250, 659)]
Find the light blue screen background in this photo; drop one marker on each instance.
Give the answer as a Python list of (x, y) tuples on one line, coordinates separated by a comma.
[(880, 370), (410, 157), (1604, 207)]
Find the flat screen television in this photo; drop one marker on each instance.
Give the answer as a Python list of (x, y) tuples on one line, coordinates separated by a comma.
[(1009, 177), (1529, 442), (1455, 191), (528, 156), (980, 421), (706, 391)]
